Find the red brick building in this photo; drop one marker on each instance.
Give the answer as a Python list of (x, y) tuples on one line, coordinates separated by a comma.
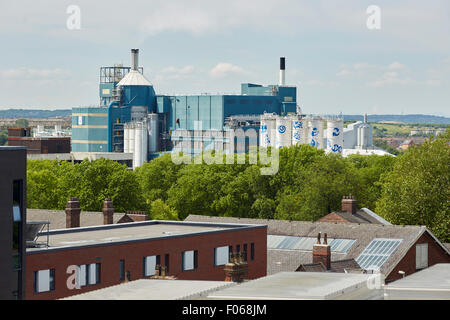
[(110, 254), (39, 145)]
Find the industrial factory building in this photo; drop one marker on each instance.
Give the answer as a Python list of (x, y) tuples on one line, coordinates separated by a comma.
[(134, 120)]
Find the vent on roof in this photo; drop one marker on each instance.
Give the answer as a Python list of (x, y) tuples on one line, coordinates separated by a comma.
[(377, 252), (306, 243)]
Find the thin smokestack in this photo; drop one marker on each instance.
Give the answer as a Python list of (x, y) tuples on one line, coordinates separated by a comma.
[(282, 70), (134, 59)]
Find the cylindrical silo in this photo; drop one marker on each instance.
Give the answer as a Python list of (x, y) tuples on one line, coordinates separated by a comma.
[(298, 130), (126, 139), (267, 134), (137, 156), (153, 132), (315, 133), (335, 135), (284, 132)]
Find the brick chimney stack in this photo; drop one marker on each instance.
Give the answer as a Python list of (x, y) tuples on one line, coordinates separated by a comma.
[(349, 204), (73, 213), (236, 269), (322, 252), (108, 211)]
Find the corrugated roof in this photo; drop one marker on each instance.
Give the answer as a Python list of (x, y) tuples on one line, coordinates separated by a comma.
[(134, 78), (289, 260)]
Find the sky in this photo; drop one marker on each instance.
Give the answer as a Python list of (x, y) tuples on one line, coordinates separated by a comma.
[(51, 55)]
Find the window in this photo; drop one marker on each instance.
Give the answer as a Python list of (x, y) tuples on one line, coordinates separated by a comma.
[(189, 260), (166, 262), (421, 255), (150, 263), (122, 270), (221, 255), (44, 280), (238, 248), (245, 252), (377, 253), (252, 251), (89, 274)]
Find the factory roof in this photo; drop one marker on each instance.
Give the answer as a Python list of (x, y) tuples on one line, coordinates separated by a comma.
[(148, 289), (134, 78), (279, 260), (361, 216), (365, 152), (129, 232), (341, 266), (301, 285), (57, 218), (430, 283)]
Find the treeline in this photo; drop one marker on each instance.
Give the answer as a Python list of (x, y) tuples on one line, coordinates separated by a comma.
[(410, 189)]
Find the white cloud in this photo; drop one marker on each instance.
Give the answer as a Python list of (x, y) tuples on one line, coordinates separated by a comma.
[(174, 70), (23, 73), (396, 66), (224, 69)]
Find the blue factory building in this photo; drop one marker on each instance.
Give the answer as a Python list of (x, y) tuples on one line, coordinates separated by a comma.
[(131, 114)]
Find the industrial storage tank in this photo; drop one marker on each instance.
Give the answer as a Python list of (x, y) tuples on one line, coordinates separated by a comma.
[(267, 134), (126, 139), (284, 132), (298, 131), (140, 144), (153, 132), (315, 133), (335, 135)]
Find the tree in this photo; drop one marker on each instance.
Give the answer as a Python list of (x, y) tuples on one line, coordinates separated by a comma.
[(417, 190), (23, 123), (3, 137), (161, 211)]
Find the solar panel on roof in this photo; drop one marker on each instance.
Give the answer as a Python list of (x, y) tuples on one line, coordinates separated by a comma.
[(377, 253), (306, 243)]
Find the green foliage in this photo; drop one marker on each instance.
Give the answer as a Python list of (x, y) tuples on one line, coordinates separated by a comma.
[(161, 211), (417, 190), (22, 123), (3, 137)]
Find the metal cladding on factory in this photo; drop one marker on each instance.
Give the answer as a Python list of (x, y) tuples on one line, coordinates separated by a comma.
[(133, 119)]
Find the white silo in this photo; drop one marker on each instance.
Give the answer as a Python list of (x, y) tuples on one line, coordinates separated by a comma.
[(140, 144), (283, 132), (315, 133), (267, 134), (298, 130), (126, 139), (153, 132), (335, 135)]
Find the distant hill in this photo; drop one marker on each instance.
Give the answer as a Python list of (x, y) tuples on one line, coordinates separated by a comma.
[(407, 118), (34, 113)]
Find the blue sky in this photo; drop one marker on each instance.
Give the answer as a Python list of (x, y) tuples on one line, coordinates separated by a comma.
[(337, 63)]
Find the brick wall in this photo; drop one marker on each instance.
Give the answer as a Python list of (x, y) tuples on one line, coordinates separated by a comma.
[(110, 255), (436, 254)]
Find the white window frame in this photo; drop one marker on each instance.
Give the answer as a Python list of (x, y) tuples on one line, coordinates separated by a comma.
[(421, 255), (149, 266), (221, 255), (188, 260)]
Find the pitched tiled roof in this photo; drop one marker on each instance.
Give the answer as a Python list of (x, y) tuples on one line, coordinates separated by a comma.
[(57, 218), (364, 233)]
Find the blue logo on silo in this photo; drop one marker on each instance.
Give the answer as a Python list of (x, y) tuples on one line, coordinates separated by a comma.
[(335, 132), (314, 132), (313, 143), (282, 129), (267, 139), (263, 128), (337, 148), (297, 136), (298, 125)]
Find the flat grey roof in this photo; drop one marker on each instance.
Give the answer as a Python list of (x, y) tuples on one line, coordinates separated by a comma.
[(431, 283), (12, 148), (134, 231), (300, 285), (154, 289)]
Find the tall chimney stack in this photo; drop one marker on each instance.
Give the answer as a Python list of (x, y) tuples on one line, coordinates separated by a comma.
[(322, 252), (134, 59), (349, 204), (73, 213), (282, 70), (108, 211)]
